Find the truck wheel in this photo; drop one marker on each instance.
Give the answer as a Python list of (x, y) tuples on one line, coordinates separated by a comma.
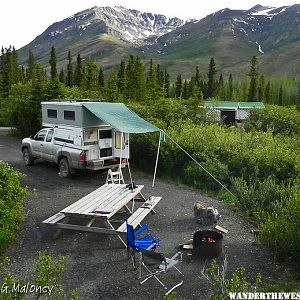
[(64, 169), (27, 157)]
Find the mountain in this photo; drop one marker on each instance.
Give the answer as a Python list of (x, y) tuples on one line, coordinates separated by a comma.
[(103, 33), (231, 36)]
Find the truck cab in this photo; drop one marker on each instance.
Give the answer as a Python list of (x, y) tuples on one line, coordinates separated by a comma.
[(42, 144)]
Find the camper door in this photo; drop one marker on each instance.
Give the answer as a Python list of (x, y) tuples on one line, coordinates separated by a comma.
[(105, 143), (121, 144)]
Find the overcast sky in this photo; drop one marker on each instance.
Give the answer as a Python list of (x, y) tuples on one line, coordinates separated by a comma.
[(22, 20)]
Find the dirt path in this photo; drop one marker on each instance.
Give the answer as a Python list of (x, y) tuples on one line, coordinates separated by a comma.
[(97, 264)]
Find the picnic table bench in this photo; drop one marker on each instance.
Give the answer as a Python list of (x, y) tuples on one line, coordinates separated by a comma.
[(139, 215), (105, 204)]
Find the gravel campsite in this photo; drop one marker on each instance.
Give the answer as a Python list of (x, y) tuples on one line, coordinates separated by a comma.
[(97, 264)]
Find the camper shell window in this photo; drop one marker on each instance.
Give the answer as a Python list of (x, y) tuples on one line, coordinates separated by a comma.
[(69, 115), (105, 134), (52, 113)]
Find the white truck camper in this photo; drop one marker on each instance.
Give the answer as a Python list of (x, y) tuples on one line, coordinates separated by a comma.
[(74, 137)]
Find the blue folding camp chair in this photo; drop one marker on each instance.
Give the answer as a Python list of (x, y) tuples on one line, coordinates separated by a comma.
[(147, 242)]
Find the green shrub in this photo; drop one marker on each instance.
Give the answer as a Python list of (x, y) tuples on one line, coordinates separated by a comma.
[(12, 195), (198, 177), (278, 119), (224, 286), (260, 198), (280, 233), (48, 273), (225, 152), (227, 197)]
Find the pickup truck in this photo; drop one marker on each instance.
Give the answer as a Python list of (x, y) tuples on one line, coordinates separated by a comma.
[(69, 158)]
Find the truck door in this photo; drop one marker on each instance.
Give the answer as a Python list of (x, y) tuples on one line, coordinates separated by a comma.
[(105, 143), (47, 151), (37, 143)]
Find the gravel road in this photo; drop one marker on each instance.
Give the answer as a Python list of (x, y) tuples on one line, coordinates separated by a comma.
[(97, 264)]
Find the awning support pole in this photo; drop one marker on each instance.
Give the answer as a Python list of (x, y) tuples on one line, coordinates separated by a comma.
[(120, 166), (127, 155), (156, 162)]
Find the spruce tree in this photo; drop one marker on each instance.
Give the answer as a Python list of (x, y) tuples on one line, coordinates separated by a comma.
[(268, 92), (91, 82), (212, 85), (5, 78), (78, 74), (178, 86), (70, 75), (160, 77), (280, 96), (2, 68), (53, 62), (153, 89), (23, 76), (261, 88), (185, 90), (298, 99), (38, 92), (101, 81), (9, 69), (141, 83), (112, 91), (31, 63), (221, 81), (253, 74), (230, 88), (122, 77), (196, 94), (61, 77), (166, 84), (197, 77), (15, 66), (161, 81), (135, 80)]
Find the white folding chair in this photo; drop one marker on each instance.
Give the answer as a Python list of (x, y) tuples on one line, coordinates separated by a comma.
[(114, 176)]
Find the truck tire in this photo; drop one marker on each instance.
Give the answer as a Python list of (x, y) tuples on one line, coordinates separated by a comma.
[(64, 168), (27, 157)]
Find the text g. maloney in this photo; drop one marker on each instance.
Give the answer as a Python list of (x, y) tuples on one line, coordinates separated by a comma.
[(26, 288)]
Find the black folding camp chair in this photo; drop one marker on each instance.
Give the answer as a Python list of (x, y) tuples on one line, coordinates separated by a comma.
[(152, 264)]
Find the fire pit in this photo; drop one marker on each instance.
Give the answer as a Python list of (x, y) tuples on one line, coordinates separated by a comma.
[(207, 243)]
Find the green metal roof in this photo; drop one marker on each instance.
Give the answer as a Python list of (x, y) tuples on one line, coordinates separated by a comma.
[(120, 117), (233, 104), (251, 105)]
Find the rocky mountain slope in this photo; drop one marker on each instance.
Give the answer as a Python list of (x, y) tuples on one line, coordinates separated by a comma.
[(231, 36)]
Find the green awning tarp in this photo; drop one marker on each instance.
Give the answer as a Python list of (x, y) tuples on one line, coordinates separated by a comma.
[(120, 117)]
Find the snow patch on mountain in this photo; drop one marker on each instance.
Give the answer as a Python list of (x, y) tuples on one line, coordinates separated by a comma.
[(265, 12), (134, 26)]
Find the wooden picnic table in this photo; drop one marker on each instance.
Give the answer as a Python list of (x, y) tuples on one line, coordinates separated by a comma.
[(104, 204)]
